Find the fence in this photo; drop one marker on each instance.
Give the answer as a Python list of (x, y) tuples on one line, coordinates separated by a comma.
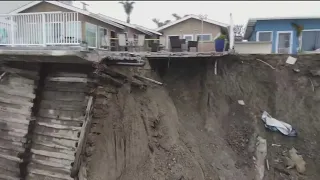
[(30, 29)]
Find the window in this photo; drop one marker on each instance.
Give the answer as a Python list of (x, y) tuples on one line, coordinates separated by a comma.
[(73, 32), (54, 32), (135, 37), (310, 40), (204, 37), (264, 36), (91, 34), (188, 37), (103, 34)]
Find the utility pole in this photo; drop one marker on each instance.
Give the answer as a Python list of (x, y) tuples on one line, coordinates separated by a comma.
[(202, 17)]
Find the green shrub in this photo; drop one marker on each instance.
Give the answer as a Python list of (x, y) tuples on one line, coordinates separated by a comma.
[(222, 36)]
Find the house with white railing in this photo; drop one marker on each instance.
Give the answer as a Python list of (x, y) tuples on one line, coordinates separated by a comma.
[(53, 23)]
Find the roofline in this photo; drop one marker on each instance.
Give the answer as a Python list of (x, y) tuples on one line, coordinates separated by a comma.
[(189, 17), (283, 18), (254, 20), (66, 6), (134, 26)]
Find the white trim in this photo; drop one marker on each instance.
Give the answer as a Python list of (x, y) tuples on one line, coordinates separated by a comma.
[(291, 39), (311, 30), (184, 36), (196, 36), (258, 32), (69, 7), (168, 40), (194, 17)]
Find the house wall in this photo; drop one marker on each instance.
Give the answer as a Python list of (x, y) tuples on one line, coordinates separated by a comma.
[(46, 7), (193, 26), (284, 25)]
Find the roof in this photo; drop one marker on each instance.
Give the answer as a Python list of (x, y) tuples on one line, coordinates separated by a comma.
[(133, 26), (194, 17), (69, 7), (252, 22)]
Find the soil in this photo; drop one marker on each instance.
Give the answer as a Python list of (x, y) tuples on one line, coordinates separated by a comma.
[(193, 128)]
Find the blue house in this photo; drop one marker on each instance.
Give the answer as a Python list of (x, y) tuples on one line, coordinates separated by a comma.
[(283, 35)]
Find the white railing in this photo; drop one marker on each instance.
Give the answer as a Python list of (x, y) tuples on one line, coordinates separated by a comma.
[(30, 29)]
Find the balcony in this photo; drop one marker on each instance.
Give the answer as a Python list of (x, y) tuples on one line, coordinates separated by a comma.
[(40, 29)]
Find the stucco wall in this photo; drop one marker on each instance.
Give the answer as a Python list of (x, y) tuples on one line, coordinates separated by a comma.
[(193, 26), (253, 47), (284, 25)]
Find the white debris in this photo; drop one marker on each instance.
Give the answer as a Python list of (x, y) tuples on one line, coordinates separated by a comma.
[(241, 102), (291, 60)]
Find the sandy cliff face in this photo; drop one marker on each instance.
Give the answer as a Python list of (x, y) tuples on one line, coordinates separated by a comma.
[(193, 128)]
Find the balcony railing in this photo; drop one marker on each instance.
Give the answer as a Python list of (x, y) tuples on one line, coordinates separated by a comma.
[(34, 29)]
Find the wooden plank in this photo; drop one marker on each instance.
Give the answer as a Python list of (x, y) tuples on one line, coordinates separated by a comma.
[(11, 137), (65, 151), (15, 127), (19, 79), (60, 122), (16, 100), (54, 142), (10, 145), (10, 153), (61, 115), (14, 118), (51, 161), (53, 154), (63, 96), (68, 79), (9, 165), (17, 92), (11, 158), (22, 72), (67, 74), (63, 105), (18, 85), (64, 134), (16, 106), (83, 137), (58, 126), (49, 174), (7, 175), (9, 109), (60, 170), (32, 176)]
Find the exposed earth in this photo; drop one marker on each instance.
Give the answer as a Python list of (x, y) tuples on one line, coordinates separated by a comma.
[(193, 128)]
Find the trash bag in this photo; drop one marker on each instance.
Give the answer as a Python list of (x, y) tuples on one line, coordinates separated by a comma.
[(276, 125)]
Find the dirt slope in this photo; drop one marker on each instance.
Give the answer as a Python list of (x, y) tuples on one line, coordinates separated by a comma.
[(193, 128)]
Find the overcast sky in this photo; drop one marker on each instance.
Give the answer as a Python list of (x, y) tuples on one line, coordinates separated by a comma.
[(144, 11)]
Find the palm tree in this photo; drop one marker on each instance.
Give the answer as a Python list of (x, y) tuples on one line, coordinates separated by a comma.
[(128, 7), (175, 15), (159, 23)]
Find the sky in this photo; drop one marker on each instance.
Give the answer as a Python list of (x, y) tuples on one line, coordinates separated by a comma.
[(145, 11)]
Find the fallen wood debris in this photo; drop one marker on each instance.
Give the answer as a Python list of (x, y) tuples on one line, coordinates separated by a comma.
[(2, 75), (266, 63), (148, 79)]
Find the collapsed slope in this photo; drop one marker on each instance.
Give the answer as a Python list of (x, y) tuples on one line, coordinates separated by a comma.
[(194, 128)]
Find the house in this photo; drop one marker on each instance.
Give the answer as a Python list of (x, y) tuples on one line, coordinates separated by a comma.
[(192, 27), (132, 30), (280, 31), (60, 19)]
